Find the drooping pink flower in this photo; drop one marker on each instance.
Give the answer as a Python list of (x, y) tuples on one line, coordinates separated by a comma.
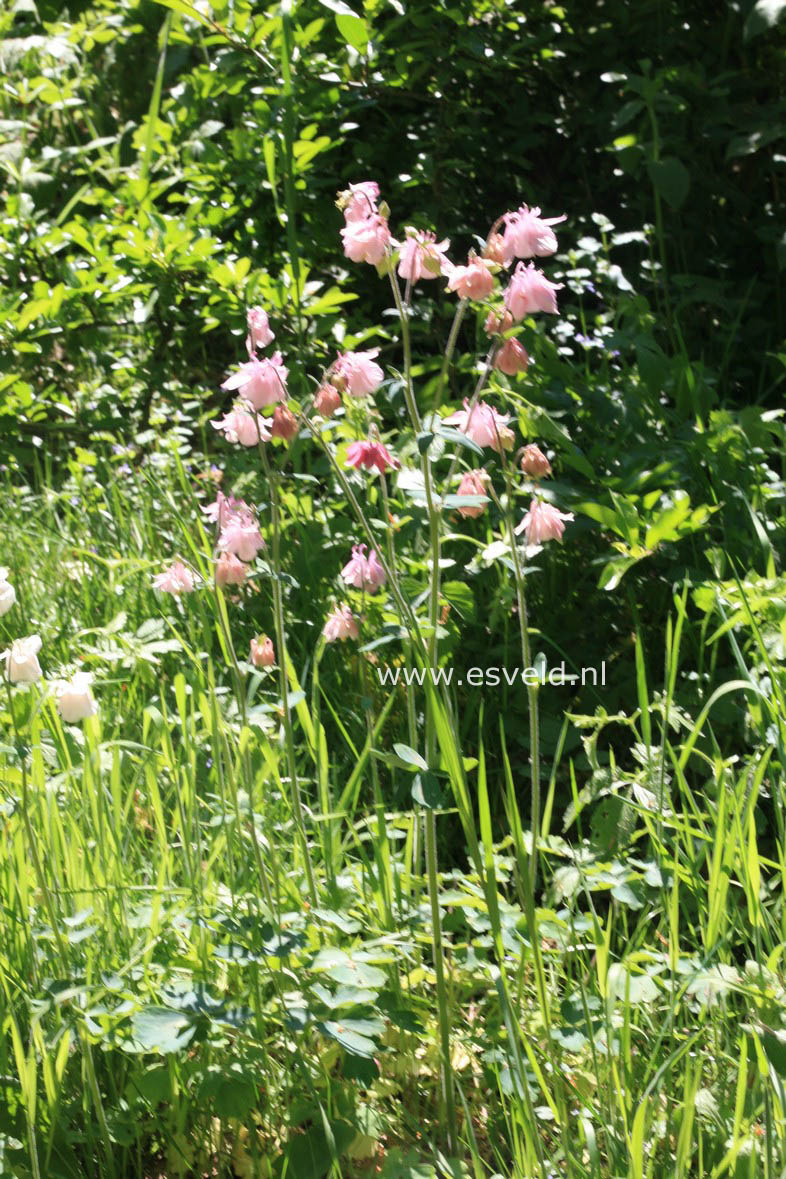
[(230, 570), (223, 508), (367, 240), (262, 652), (375, 573), (371, 455), (483, 425), (422, 256), (473, 483), (362, 572), (177, 579), (473, 281), (341, 624), (241, 425), (357, 373), (359, 201), (496, 324), (284, 423), (511, 358), (528, 235), (529, 290), (534, 462), (543, 522), (327, 401), (260, 382), (259, 333), (242, 537)]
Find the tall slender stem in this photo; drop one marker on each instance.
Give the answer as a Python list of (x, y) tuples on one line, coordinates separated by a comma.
[(432, 506), (283, 661), (37, 866)]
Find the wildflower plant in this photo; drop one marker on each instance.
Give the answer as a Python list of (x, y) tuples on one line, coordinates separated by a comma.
[(452, 459)]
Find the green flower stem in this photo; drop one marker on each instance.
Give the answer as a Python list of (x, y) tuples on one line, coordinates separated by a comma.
[(432, 505), (37, 866), (281, 652)]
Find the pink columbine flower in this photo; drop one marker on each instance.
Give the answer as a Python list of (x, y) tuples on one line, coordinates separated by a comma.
[(260, 382), (284, 423), (367, 240), (529, 291), (341, 624), (259, 333), (473, 483), (357, 372), (359, 201), (483, 425), (223, 508), (528, 235), (473, 281), (543, 522), (262, 652), (534, 462), (362, 572), (422, 256), (230, 570), (241, 425), (177, 579), (371, 455), (511, 358), (242, 537), (327, 401)]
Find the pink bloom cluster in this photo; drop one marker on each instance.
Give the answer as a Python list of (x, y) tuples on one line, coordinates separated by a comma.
[(357, 373), (365, 235)]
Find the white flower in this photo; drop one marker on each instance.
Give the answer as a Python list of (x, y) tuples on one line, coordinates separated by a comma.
[(22, 666), (7, 594), (75, 701)]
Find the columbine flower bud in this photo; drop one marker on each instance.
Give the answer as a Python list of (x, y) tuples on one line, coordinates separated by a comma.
[(496, 324), (473, 483), (534, 462), (262, 652), (494, 249), (327, 401), (284, 423), (511, 358)]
